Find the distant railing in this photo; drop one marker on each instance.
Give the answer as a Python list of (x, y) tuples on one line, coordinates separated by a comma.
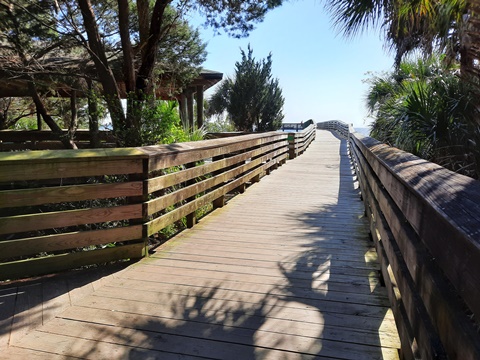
[(425, 222), (45, 139), (334, 125), (66, 209), (297, 126), (298, 142)]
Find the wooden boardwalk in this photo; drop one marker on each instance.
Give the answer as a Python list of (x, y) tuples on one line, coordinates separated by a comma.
[(284, 271)]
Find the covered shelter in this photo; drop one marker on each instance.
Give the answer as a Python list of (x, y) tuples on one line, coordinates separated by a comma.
[(69, 77)]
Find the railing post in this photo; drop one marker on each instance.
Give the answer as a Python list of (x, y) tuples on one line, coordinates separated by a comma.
[(192, 217), (292, 154)]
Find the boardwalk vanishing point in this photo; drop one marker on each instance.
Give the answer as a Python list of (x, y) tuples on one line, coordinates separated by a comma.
[(284, 271)]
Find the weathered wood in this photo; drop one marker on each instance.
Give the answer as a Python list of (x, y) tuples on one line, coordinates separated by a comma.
[(65, 241), (165, 156), (52, 195), (408, 187), (55, 263), (293, 278), (436, 203), (20, 171), (419, 329), (195, 188), (7, 313), (181, 211), (23, 223), (168, 180)]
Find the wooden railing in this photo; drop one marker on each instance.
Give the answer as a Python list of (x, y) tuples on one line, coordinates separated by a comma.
[(298, 142), (45, 139), (70, 208), (334, 125), (425, 222)]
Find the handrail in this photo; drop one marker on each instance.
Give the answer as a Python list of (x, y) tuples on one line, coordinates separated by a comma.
[(425, 222), (54, 205), (334, 125), (298, 142), (46, 139)]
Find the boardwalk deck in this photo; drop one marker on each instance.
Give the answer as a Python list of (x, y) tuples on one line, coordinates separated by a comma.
[(284, 271)]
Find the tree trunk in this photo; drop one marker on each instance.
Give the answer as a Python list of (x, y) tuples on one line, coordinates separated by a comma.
[(69, 144), (149, 56), (74, 118), (105, 73), (92, 116)]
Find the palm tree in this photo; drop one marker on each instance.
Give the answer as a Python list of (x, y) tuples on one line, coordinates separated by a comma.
[(408, 25), (424, 108)]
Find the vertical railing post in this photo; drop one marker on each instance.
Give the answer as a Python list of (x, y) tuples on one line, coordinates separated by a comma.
[(192, 217), (143, 177), (292, 154)]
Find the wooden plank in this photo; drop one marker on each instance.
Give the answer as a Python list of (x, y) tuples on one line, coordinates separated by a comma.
[(159, 223), (182, 327), (29, 170), (52, 195), (20, 353), (168, 180), (444, 310), (56, 298), (162, 157), (441, 206), (7, 310), (299, 292), (252, 316), (59, 219), (420, 338), (56, 242), (163, 202), (67, 347), (28, 311), (55, 263), (236, 337)]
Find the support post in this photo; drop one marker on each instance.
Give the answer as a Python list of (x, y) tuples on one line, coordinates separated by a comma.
[(199, 97), (190, 108), (192, 217)]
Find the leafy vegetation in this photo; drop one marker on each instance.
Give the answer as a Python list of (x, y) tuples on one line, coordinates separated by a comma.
[(253, 98), (424, 108), (429, 104), (145, 44)]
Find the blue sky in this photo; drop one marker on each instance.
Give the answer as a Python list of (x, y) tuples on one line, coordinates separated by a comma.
[(320, 71)]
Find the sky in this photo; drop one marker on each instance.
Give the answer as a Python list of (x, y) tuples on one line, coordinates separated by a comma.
[(320, 72)]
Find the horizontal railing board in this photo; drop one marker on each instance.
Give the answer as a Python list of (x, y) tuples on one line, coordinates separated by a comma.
[(55, 263), (168, 180), (447, 204), (165, 156), (434, 209), (57, 170), (42, 135), (172, 216), (59, 219), (58, 194), (163, 202), (429, 345), (66, 241)]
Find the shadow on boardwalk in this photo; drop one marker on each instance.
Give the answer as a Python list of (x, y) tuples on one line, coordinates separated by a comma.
[(320, 306)]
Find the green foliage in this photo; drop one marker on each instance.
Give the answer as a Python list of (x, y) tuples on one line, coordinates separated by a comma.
[(236, 17), (161, 124), (28, 123), (218, 124), (253, 98), (424, 25), (424, 108)]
